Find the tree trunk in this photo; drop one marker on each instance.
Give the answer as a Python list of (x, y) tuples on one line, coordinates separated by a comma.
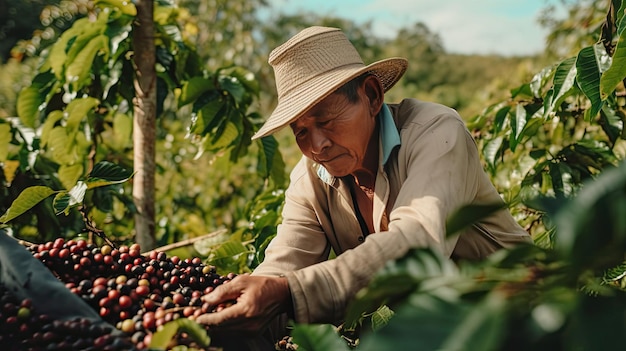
[(144, 124)]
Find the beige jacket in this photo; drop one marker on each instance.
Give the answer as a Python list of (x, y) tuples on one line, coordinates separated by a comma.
[(434, 170)]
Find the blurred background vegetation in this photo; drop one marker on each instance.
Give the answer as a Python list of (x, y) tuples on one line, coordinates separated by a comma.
[(201, 192)]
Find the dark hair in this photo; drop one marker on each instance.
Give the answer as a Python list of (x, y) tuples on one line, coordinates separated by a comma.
[(350, 89)]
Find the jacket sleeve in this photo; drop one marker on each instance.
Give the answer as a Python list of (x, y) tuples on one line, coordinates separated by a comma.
[(441, 164), (300, 240)]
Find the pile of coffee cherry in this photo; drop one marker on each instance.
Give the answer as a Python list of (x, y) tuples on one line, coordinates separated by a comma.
[(22, 328), (137, 293)]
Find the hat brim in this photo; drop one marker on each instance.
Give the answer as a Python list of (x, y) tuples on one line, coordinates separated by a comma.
[(293, 105)]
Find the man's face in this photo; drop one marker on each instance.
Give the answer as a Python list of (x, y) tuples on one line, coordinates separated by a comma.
[(335, 133)]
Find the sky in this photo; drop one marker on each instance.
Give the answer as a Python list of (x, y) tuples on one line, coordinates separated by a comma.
[(506, 27)]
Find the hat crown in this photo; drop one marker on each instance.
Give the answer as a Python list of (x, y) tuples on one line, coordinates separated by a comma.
[(313, 52)]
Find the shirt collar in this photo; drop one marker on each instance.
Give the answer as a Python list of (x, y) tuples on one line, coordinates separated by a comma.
[(389, 138)]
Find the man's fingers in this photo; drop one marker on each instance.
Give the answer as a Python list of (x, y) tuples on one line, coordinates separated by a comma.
[(222, 293), (222, 318)]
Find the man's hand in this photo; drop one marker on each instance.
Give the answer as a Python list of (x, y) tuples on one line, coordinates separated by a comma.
[(259, 300)]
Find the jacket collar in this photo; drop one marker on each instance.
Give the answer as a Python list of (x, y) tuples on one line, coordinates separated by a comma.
[(389, 138)]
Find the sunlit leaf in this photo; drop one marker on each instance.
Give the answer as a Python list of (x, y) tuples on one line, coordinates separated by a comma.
[(193, 89), (518, 122), (491, 150), (50, 122), (163, 337), (564, 80), (78, 71), (29, 101), (5, 140), (77, 111), (9, 169), (381, 317), (226, 138), (107, 173), (26, 200), (317, 337), (122, 130), (588, 78), (231, 248), (617, 71), (69, 174)]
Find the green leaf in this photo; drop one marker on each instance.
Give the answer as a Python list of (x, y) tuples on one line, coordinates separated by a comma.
[(225, 138), (317, 337), (193, 89), (107, 173), (206, 245), (29, 102), (231, 248), (518, 122), (66, 200), (69, 174), (491, 151), (588, 78), (26, 200), (5, 140), (79, 69), (483, 326), (163, 337), (49, 124), (616, 73), (500, 119), (423, 322), (564, 81), (77, 111), (122, 130), (381, 317), (60, 145), (594, 221), (468, 215)]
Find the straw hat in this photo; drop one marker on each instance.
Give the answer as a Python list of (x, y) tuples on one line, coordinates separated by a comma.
[(312, 65)]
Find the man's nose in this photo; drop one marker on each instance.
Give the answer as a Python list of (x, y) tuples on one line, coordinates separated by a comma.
[(319, 141)]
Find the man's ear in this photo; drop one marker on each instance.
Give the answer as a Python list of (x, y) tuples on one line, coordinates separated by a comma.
[(374, 91)]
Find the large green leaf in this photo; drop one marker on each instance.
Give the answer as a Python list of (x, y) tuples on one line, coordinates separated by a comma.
[(518, 122), (77, 111), (616, 73), (26, 200), (163, 337), (317, 337), (29, 102), (492, 150), (193, 89), (423, 322), (564, 81), (588, 78), (79, 69), (398, 279), (5, 140), (66, 200), (107, 173), (61, 146), (69, 174), (594, 221)]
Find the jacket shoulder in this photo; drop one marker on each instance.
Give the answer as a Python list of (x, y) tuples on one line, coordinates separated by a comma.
[(421, 112)]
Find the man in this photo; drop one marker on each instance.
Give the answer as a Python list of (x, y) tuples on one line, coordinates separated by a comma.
[(376, 179)]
